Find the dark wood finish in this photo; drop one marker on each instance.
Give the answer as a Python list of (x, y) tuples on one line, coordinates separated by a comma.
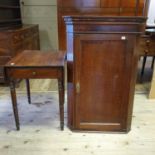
[(14, 41), (61, 101), (97, 7), (102, 65), (14, 103), (36, 64)]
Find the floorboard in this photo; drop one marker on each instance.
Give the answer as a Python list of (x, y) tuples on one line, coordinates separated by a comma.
[(40, 132)]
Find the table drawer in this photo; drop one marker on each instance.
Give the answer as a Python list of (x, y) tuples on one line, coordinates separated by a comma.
[(143, 45), (33, 73), (152, 47), (146, 46)]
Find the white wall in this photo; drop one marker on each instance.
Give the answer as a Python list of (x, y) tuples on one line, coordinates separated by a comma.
[(44, 13), (151, 13)]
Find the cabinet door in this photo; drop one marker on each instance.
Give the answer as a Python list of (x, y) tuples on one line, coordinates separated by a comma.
[(132, 8), (110, 7), (129, 3), (110, 3), (102, 79), (91, 3), (142, 7)]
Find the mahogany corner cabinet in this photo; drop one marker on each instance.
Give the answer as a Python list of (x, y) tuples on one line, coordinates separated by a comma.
[(102, 64)]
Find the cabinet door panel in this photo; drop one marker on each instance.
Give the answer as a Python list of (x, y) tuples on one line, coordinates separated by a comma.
[(91, 3), (141, 4), (128, 11), (132, 8), (129, 3), (110, 3), (141, 7), (101, 68)]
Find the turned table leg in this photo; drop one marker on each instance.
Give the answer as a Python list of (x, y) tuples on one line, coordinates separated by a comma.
[(143, 68), (14, 103), (61, 102), (28, 90), (152, 65)]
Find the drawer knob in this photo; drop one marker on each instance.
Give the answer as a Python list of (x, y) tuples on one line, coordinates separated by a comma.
[(34, 73), (12, 63), (146, 51), (147, 41)]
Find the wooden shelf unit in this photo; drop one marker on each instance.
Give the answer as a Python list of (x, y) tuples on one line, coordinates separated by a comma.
[(97, 7), (14, 36), (10, 14), (101, 60)]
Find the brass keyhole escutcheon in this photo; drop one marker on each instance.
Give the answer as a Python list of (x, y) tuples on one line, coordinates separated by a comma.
[(34, 73), (77, 87)]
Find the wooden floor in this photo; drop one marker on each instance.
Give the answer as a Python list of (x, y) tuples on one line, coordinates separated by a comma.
[(40, 133)]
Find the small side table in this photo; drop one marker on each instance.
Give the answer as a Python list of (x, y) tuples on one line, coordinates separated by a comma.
[(32, 64)]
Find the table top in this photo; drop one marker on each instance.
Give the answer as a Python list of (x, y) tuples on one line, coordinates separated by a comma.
[(36, 58)]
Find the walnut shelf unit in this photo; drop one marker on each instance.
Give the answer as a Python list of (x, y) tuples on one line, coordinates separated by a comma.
[(14, 35), (97, 7)]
